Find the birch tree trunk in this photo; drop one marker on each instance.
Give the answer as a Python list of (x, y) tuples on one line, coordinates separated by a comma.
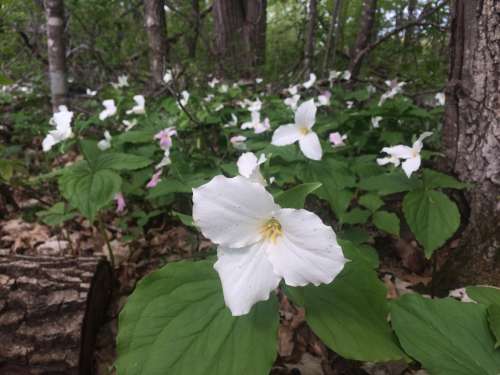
[(471, 137), (155, 23), (54, 11), (312, 19), (364, 35)]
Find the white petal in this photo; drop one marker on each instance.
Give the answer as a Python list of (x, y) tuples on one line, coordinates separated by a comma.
[(418, 145), (305, 116), (307, 252), (387, 160), (411, 165), (48, 143), (247, 163), (231, 211), (247, 277), (310, 146), (399, 151), (286, 135)]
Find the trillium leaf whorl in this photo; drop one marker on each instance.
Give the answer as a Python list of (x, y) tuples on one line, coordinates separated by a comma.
[(260, 243)]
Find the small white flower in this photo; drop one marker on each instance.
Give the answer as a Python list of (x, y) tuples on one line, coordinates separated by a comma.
[(349, 104), (105, 143), (184, 98), (309, 83), (219, 108), (109, 109), (164, 137), (410, 155), (249, 167), (255, 106), (301, 131), (168, 77), (166, 8), (62, 121), (292, 102), (260, 243), (213, 82), (440, 98), (164, 161), (395, 88), (376, 121), (129, 124), (238, 142), (337, 139), (258, 80), (333, 75), (346, 76), (209, 98), (293, 90), (140, 106), (223, 88), (89, 92), (122, 82), (324, 99), (256, 124)]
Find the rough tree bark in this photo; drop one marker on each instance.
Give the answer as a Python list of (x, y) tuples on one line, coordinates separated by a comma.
[(471, 138), (50, 311), (156, 29), (364, 35), (312, 20), (240, 31), (196, 21), (331, 39), (54, 11)]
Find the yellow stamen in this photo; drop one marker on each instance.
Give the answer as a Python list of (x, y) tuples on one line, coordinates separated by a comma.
[(271, 230), (304, 131)]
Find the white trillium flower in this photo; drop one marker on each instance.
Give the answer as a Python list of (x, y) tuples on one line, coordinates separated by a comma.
[(184, 98), (109, 109), (62, 122), (105, 143), (309, 83), (256, 124), (324, 99), (140, 107), (122, 82), (233, 122), (249, 167), (89, 92), (349, 104), (371, 89), (261, 243), (346, 75), (213, 82), (238, 142), (223, 88), (410, 155), (301, 131), (440, 98), (293, 90), (333, 75), (258, 80), (376, 121), (168, 77), (209, 98), (337, 139), (255, 106), (292, 102), (395, 88)]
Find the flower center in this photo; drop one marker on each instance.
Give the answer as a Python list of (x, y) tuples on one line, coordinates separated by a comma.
[(271, 230), (304, 131)]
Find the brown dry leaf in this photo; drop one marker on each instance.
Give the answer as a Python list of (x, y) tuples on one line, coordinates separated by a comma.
[(308, 365), (22, 235)]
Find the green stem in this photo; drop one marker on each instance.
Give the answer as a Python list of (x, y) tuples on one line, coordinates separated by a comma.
[(102, 230)]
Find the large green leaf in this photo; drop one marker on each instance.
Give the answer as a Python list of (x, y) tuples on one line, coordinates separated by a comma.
[(296, 196), (389, 183), (56, 215), (432, 217), (386, 221), (350, 315), (89, 190), (176, 322), (448, 337), (360, 253), (120, 161), (434, 180), (490, 297)]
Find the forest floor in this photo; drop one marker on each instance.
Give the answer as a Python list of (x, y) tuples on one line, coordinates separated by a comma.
[(300, 351)]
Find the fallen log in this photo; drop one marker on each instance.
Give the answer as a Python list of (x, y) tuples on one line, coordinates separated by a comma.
[(50, 311)]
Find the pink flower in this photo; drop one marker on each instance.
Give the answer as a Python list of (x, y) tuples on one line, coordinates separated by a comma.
[(337, 139), (154, 179), (120, 203), (165, 137)]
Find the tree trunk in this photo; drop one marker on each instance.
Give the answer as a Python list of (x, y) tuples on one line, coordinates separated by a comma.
[(50, 311), (331, 39), (240, 29), (408, 40), (312, 19), (155, 23), (364, 35), (196, 22), (471, 138), (54, 11)]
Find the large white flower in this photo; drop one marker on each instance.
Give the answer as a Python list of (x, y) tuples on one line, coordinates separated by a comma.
[(410, 155), (301, 131), (62, 122), (140, 106), (261, 243), (249, 167), (109, 109)]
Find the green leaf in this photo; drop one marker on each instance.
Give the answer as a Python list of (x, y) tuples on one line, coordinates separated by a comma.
[(170, 185), (137, 136), (296, 196), (355, 216), (360, 253), (55, 215), (6, 169), (121, 162), (187, 220), (350, 315), (89, 190), (487, 295), (494, 320), (176, 322), (386, 221), (448, 337), (389, 183), (434, 180), (371, 201), (432, 217)]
